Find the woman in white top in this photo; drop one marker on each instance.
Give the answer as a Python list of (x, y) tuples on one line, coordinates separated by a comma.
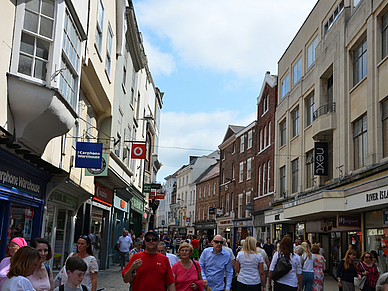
[(250, 266), (23, 264), (292, 281), (307, 267)]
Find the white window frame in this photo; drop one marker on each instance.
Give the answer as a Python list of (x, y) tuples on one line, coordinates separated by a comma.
[(109, 52), (242, 142), (261, 140), (311, 52), (241, 172), (240, 205), (269, 133), (265, 137), (250, 139), (297, 71), (268, 175), (100, 27), (264, 178), (259, 193), (249, 168), (285, 85), (247, 202)]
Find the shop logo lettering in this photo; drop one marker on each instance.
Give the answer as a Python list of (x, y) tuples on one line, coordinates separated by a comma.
[(382, 194), (18, 181), (320, 160)]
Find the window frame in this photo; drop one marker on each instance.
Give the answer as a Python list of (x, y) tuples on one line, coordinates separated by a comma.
[(310, 59), (241, 176), (100, 27), (360, 61), (295, 121), (295, 175), (283, 132), (297, 71), (360, 138), (310, 108), (249, 168), (109, 52), (384, 36), (285, 85)]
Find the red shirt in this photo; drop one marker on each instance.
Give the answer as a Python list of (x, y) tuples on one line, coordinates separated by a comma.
[(184, 277), (195, 243), (152, 274)]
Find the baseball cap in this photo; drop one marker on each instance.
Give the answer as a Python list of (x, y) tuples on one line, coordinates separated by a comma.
[(151, 232)]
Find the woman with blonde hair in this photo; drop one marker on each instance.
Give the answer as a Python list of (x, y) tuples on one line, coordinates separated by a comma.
[(23, 264), (250, 266), (346, 271), (187, 273), (307, 267)]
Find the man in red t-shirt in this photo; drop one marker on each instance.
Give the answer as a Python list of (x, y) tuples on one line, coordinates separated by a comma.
[(149, 270), (195, 243)]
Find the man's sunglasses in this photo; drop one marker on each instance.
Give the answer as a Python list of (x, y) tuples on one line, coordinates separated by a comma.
[(148, 239), (218, 241)]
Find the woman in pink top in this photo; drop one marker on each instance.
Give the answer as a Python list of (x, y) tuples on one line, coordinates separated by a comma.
[(15, 244), (42, 278), (187, 272)]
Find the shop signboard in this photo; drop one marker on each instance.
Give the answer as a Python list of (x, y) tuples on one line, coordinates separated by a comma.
[(321, 159), (63, 199), (137, 205), (103, 195), (138, 151), (349, 220), (219, 211), (100, 172), (147, 188), (12, 178), (88, 155), (211, 210), (160, 195), (188, 219)]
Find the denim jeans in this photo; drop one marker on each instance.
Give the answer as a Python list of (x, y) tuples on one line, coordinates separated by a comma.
[(308, 280)]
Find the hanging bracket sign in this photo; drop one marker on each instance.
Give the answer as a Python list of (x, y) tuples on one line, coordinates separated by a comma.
[(88, 155)]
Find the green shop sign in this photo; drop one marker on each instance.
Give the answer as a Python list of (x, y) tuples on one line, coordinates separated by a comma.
[(137, 204)]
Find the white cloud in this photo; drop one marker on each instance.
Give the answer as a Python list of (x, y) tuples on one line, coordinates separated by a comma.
[(246, 37), (160, 62), (184, 134)]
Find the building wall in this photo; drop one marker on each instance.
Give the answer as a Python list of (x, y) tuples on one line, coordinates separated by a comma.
[(212, 200)]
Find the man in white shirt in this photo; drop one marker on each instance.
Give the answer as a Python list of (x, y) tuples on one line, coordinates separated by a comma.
[(124, 244), (162, 248)]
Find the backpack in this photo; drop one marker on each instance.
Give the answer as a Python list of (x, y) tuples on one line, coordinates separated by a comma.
[(62, 288)]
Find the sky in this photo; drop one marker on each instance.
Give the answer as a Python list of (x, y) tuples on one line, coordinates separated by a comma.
[(209, 57)]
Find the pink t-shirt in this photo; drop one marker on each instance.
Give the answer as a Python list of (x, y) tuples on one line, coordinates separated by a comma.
[(184, 277)]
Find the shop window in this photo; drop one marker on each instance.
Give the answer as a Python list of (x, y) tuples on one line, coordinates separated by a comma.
[(20, 222)]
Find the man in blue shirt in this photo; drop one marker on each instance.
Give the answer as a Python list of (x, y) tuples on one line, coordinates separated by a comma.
[(215, 262)]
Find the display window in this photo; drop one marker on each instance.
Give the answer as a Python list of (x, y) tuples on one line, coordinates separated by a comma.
[(20, 223), (376, 224)]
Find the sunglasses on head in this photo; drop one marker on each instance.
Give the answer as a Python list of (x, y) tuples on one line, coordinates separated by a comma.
[(148, 239), (219, 241), (83, 236)]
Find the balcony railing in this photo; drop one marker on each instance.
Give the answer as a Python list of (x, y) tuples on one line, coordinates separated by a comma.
[(324, 109)]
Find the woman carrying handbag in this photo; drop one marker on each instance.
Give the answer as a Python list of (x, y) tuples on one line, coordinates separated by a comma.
[(367, 267)]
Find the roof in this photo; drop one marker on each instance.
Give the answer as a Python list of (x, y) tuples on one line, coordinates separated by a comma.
[(271, 80), (232, 129), (211, 172)]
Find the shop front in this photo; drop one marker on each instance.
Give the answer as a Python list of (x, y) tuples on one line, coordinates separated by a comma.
[(241, 229), (22, 198), (100, 223), (59, 225), (280, 225), (136, 213), (206, 227), (225, 228), (261, 230)]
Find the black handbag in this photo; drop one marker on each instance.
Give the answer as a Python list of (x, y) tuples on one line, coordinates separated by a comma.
[(283, 266)]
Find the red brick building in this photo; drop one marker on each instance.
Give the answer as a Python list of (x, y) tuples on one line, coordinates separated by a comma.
[(237, 182), (264, 170), (207, 200)]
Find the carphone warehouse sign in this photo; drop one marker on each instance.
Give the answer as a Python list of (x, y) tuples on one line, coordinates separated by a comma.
[(88, 155)]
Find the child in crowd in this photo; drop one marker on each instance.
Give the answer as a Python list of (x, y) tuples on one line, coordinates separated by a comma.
[(75, 270)]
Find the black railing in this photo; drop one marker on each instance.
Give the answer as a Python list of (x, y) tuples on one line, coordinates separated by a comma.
[(324, 109)]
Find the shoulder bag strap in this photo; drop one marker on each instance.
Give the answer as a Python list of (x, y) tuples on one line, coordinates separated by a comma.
[(195, 265), (47, 269)]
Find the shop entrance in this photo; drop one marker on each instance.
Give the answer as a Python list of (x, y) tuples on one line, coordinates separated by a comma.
[(20, 223), (58, 233)]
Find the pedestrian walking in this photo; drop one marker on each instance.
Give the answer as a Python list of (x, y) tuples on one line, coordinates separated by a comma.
[(319, 268), (23, 263), (15, 244), (292, 281), (124, 244), (265, 258), (42, 278), (137, 248), (162, 249), (195, 244), (367, 267), (382, 283), (214, 262), (307, 267), (75, 270), (149, 270), (187, 272), (250, 267), (346, 271), (269, 249)]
